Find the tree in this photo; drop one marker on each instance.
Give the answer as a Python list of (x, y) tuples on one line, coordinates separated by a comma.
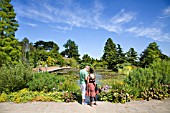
[(150, 54), (46, 53), (9, 46), (120, 56), (109, 53), (71, 50), (48, 46), (132, 56), (86, 58), (25, 45)]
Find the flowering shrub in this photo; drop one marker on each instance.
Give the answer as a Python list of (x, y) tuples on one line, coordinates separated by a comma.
[(115, 96), (26, 95), (106, 88)]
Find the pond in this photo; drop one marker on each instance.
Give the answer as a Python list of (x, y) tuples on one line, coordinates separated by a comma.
[(75, 72), (98, 78)]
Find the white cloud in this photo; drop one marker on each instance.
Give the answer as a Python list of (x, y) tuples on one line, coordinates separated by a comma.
[(165, 12), (116, 23), (31, 24), (155, 30), (123, 17), (61, 28), (150, 32), (72, 14), (67, 14)]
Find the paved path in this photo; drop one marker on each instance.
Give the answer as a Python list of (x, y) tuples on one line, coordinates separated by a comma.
[(51, 69), (153, 106)]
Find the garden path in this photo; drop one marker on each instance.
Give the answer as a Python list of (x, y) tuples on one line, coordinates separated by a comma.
[(152, 106), (51, 69)]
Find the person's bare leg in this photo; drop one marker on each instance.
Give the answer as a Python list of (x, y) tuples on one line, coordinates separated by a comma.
[(83, 100), (83, 95)]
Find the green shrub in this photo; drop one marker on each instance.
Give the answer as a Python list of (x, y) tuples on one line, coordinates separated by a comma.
[(14, 78), (146, 83), (162, 68), (143, 79), (114, 96), (69, 86), (71, 62), (82, 65), (50, 82), (25, 95), (3, 97), (45, 82)]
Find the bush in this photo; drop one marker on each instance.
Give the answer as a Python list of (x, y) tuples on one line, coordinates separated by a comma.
[(71, 62), (162, 68), (109, 94), (141, 81), (146, 83), (25, 95), (14, 78), (3, 97), (50, 82), (82, 65), (45, 82)]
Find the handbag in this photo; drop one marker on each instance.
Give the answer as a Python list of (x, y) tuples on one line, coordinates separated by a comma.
[(96, 88)]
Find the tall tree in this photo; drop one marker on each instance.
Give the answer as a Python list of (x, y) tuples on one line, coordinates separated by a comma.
[(109, 53), (48, 46), (132, 56), (25, 45), (71, 50), (86, 58), (10, 50), (150, 54), (120, 56)]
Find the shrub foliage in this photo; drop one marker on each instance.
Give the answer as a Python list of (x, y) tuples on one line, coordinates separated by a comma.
[(14, 78)]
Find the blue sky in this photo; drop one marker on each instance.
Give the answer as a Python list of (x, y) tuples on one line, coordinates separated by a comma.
[(130, 23)]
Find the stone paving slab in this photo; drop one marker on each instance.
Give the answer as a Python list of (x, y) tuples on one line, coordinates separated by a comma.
[(152, 106)]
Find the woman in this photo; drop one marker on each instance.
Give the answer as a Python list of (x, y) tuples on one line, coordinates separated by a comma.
[(91, 86)]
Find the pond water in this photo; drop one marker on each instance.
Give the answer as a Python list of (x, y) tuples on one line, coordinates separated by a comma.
[(75, 72), (98, 78)]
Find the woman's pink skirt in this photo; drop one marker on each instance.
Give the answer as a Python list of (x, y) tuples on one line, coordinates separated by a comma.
[(91, 90)]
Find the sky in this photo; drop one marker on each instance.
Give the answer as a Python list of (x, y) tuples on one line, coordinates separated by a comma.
[(130, 23)]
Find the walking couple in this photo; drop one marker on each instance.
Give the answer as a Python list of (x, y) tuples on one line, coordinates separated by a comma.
[(88, 85)]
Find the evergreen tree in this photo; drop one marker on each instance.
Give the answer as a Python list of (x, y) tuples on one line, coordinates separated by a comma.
[(10, 50), (150, 54), (110, 53), (25, 45), (48, 46), (120, 56), (71, 50), (132, 56), (86, 58)]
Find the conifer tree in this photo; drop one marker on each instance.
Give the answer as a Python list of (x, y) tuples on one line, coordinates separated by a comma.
[(10, 50), (132, 56), (120, 57), (150, 54), (71, 50), (109, 53)]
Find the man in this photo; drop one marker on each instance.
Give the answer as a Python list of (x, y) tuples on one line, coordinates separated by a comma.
[(83, 78)]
